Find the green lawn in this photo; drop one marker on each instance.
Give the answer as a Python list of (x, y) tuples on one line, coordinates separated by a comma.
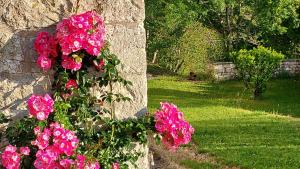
[(236, 129)]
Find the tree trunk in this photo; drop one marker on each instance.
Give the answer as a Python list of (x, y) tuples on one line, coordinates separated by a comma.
[(257, 91), (154, 56), (229, 30), (178, 65)]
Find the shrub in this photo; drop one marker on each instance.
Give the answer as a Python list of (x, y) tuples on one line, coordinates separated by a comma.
[(193, 52), (198, 47), (255, 67)]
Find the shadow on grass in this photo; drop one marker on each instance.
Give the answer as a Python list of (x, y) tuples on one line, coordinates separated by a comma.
[(251, 141), (231, 125), (281, 97)]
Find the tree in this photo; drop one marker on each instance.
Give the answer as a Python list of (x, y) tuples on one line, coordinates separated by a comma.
[(165, 22), (250, 23)]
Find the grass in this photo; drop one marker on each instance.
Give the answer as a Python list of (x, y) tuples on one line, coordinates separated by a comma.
[(236, 129), (192, 164)]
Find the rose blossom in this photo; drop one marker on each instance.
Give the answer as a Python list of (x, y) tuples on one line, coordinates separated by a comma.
[(71, 84), (169, 122), (25, 150), (42, 139), (54, 143), (94, 165), (80, 161), (66, 163), (45, 45), (65, 140), (40, 107), (99, 65), (70, 63), (115, 165), (44, 62)]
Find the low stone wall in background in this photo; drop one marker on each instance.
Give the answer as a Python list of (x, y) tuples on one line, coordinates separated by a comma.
[(227, 71), (224, 71)]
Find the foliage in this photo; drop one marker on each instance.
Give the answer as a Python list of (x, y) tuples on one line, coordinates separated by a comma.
[(246, 24), (165, 23), (21, 133), (177, 43), (126, 134), (3, 118), (155, 69), (242, 25), (256, 67), (200, 46), (237, 131)]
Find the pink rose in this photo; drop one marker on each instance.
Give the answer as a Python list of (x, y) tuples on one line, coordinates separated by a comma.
[(82, 31), (80, 161), (94, 165), (42, 139), (44, 62), (66, 163), (70, 63), (40, 107), (46, 45), (99, 65), (25, 150), (115, 166), (71, 84), (65, 140), (10, 158)]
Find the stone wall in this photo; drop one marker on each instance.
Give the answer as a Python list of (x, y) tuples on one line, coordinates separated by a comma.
[(226, 70), (20, 22), (291, 67)]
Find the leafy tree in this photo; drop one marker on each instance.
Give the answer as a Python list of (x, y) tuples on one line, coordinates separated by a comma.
[(250, 23), (165, 22)]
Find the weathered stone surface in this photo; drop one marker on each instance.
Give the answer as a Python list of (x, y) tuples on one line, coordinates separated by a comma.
[(138, 105), (122, 11), (226, 70), (16, 88), (43, 13), (129, 44), (21, 20)]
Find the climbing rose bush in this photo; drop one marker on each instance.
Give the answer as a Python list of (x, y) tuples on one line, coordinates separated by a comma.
[(40, 107), (169, 122)]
